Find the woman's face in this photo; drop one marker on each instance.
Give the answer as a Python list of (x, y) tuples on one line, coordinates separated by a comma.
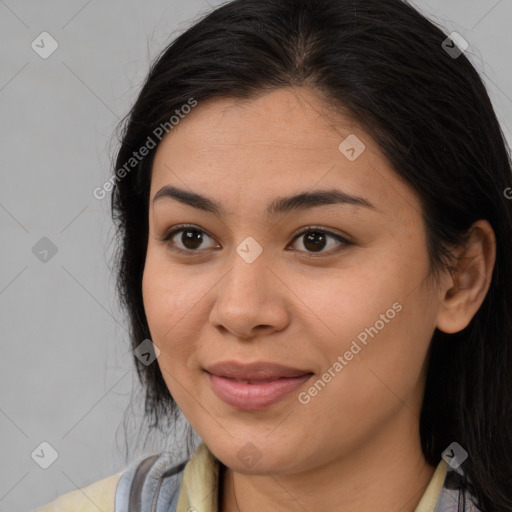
[(251, 287)]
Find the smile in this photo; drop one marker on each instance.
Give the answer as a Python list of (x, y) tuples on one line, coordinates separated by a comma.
[(254, 394)]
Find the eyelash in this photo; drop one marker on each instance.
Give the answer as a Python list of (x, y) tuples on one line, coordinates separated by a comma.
[(184, 227)]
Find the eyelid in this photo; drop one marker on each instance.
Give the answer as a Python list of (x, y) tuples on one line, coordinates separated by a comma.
[(325, 230)]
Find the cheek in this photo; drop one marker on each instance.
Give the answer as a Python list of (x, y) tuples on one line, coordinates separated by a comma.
[(164, 308), (175, 315), (379, 319), (169, 296), (372, 369), (158, 306)]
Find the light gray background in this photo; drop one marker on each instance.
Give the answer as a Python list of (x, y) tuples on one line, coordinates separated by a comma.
[(65, 371)]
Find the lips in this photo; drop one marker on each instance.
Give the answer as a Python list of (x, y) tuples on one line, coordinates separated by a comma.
[(254, 372), (254, 386)]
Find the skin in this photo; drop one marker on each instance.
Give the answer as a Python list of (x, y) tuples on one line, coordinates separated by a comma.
[(356, 445)]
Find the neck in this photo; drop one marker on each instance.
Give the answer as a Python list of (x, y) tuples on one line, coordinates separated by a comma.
[(387, 473)]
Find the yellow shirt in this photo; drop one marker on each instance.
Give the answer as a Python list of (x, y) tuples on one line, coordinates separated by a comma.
[(199, 489)]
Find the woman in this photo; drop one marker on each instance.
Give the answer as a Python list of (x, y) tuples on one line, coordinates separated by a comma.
[(315, 224)]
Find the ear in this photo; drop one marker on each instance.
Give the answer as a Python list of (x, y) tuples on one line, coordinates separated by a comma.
[(465, 290)]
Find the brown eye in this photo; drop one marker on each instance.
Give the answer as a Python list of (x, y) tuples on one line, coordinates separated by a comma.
[(190, 241), (191, 238), (316, 240)]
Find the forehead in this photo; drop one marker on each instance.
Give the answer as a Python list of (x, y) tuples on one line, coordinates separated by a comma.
[(288, 140)]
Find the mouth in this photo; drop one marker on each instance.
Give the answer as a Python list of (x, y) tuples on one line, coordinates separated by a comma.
[(256, 381), (254, 372), (254, 386)]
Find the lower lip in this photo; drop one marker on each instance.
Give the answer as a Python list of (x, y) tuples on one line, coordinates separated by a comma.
[(254, 396)]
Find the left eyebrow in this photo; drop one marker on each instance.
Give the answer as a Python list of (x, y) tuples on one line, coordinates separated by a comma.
[(301, 201)]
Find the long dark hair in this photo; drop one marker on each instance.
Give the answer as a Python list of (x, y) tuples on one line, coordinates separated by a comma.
[(391, 70)]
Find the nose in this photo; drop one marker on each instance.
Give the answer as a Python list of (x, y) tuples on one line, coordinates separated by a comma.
[(250, 299)]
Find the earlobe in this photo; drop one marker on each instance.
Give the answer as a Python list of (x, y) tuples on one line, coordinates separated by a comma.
[(469, 281)]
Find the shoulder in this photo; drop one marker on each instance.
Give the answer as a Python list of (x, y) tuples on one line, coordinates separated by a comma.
[(153, 477), (99, 495)]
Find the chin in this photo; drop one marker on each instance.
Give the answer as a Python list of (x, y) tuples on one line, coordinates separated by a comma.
[(255, 456)]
